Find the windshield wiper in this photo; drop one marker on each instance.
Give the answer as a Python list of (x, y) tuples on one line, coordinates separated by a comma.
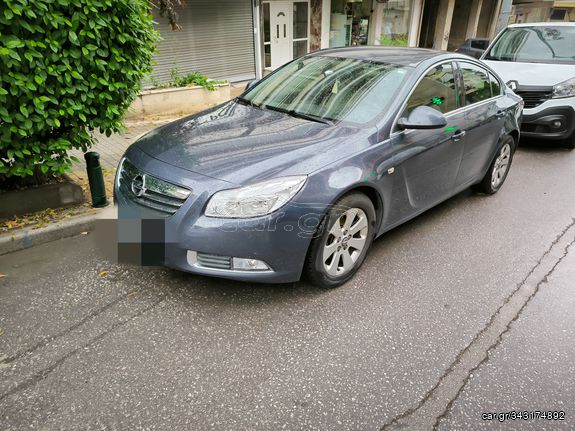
[(296, 114), (247, 102)]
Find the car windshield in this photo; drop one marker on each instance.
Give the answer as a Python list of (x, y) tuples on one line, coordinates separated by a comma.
[(538, 44), (329, 88)]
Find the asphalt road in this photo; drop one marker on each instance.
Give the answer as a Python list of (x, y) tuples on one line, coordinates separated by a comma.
[(466, 309)]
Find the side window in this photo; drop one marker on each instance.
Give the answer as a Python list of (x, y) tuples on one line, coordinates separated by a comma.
[(495, 86), (436, 90), (476, 82)]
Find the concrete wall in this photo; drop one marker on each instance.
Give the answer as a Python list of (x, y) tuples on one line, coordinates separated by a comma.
[(172, 102)]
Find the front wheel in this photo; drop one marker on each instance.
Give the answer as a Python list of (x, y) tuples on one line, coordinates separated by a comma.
[(499, 168), (343, 238)]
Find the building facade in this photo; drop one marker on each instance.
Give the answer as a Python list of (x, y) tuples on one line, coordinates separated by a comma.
[(525, 11), (241, 40)]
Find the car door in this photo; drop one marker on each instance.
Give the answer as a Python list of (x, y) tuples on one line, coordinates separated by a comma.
[(427, 161), (484, 117)]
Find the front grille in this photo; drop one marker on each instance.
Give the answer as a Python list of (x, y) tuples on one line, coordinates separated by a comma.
[(214, 261), (533, 99), (160, 196)]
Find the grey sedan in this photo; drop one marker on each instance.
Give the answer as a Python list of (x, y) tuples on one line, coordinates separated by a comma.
[(300, 174)]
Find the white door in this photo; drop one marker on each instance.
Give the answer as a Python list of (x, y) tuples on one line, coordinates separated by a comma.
[(280, 32)]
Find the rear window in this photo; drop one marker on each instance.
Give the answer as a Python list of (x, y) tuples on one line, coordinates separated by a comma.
[(541, 44), (479, 44)]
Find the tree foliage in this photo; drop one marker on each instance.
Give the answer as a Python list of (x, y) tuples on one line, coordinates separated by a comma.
[(67, 67)]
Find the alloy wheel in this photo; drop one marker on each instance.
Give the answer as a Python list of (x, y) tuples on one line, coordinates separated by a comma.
[(345, 242), (501, 166)]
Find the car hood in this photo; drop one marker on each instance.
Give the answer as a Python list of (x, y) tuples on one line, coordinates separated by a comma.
[(239, 143), (540, 74)]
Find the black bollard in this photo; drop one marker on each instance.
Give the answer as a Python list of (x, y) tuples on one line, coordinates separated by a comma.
[(96, 180)]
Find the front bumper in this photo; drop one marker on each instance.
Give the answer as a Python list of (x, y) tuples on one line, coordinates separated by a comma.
[(552, 120), (280, 239)]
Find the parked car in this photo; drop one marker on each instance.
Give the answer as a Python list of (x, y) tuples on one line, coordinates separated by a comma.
[(473, 47), (537, 60), (302, 171)]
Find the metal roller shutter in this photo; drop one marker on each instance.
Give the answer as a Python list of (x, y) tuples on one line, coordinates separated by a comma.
[(216, 39)]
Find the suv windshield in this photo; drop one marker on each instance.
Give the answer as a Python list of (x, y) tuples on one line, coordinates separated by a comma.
[(538, 44), (330, 88)]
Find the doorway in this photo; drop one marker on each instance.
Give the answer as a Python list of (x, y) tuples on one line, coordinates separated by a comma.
[(427, 33), (286, 31)]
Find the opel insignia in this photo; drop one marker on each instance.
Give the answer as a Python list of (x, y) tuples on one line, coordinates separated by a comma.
[(300, 174)]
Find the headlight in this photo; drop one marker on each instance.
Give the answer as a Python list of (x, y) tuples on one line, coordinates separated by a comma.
[(565, 88), (254, 200)]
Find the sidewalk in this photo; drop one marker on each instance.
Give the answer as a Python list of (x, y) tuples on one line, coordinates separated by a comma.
[(111, 148)]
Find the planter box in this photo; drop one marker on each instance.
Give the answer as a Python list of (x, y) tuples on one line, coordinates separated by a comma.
[(173, 102), (18, 202)]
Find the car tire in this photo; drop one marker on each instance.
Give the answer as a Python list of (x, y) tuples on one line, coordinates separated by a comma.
[(570, 142), (499, 167), (341, 241)]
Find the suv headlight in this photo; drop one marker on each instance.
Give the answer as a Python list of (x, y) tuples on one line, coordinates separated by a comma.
[(254, 200), (564, 89)]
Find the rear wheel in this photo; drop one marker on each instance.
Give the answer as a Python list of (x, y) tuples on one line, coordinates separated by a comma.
[(499, 168), (342, 241)]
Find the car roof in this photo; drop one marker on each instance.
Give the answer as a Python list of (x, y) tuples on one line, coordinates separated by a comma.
[(544, 24), (402, 56)]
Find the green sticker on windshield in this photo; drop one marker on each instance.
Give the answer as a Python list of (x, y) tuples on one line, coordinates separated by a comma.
[(437, 101), (450, 128)]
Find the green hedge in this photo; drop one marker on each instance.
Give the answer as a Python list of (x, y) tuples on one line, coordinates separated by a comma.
[(67, 67)]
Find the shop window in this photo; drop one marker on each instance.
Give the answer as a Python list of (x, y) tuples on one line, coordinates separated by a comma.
[(395, 25), (350, 21), (300, 28), (558, 14), (267, 36)]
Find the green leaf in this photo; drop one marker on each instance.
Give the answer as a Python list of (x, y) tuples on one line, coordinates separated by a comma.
[(14, 55), (14, 43)]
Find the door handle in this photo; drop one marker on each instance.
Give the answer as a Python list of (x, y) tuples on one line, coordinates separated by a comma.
[(458, 135), (500, 114)]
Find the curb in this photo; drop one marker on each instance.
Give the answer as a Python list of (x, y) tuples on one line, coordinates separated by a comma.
[(10, 242)]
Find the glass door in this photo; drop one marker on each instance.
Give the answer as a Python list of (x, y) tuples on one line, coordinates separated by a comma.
[(285, 31), (300, 28)]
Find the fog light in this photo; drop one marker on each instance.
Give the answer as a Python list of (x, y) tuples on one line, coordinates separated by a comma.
[(557, 124), (249, 264)]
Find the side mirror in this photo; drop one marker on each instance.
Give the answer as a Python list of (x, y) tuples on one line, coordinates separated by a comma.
[(423, 117), (251, 84)]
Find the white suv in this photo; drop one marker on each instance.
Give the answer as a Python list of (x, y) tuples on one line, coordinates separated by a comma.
[(537, 61)]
